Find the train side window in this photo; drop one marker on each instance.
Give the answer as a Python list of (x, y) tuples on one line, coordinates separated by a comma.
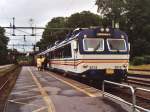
[(53, 54), (49, 55), (67, 51), (63, 52)]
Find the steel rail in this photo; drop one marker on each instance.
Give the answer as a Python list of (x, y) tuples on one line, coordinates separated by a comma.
[(138, 82), (3, 85), (145, 90)]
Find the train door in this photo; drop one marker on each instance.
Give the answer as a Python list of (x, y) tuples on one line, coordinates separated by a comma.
[(49, 59), (75, 50)]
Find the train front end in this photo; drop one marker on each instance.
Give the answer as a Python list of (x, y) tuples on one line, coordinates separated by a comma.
[(103, 54)]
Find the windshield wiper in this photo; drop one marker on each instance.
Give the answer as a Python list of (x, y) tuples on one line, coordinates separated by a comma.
[(95, 49), (118, 51)]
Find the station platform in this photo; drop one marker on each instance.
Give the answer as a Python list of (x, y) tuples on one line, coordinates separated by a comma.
[(43, 91)]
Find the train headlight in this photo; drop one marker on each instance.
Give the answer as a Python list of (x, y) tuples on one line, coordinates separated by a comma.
[(85, 36), (102, 29), (107, 29), (125, 66), (85, 66), (122, 36)]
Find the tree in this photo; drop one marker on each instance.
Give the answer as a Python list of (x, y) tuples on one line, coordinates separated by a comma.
[(3, 46), (83, 19), (50, 35), (112, 9), (133, 16)]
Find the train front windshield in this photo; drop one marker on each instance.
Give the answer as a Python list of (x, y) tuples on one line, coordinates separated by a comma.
[(116, 45), (93, 44)]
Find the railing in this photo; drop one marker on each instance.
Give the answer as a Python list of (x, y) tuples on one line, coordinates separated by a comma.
[(132, 90), (145, 90)]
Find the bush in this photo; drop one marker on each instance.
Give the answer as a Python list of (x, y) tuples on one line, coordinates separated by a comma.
[(138, 61), (141, 60), (147, 59)]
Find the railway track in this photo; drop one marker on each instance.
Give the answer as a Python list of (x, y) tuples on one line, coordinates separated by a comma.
[(139, 78), (7, 80), (4, 77), (139, 81)]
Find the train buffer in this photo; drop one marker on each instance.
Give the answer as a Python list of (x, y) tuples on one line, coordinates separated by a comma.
[(43, 91)]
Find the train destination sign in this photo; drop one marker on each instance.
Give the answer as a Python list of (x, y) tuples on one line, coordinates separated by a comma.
[(103, 34)]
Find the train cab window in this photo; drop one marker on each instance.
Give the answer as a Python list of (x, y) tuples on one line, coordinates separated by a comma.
[(116, 45), (93, 44)]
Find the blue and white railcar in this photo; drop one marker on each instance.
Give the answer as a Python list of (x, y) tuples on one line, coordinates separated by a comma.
[(101, 53)]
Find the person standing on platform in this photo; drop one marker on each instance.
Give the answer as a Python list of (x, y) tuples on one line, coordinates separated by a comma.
[(39, 63), (43, 60)]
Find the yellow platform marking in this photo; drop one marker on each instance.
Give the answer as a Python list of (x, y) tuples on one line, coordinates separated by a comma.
[(44, 94), (76, 87), (20, 92), (39, 109), (16, 99), (22, 103), (28, 86)]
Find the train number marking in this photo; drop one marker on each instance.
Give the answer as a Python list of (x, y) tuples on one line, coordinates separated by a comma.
[(93, 67)]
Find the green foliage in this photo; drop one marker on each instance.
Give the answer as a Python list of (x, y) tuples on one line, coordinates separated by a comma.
[(51, 35), (111, 9), (147, 59), (140, 47), (3, 46), (84, 19), (138, 61), (141, 60)]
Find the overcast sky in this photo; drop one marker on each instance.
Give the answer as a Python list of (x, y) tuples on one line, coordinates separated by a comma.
[(41, 11)]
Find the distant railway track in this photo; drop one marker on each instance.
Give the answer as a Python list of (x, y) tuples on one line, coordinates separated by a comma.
[(7, 80), (139, 81), (147, 70), (139, 73), (139, 78), (5, 75)]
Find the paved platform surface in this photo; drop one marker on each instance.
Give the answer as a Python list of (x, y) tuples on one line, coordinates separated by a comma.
[(38, 91)]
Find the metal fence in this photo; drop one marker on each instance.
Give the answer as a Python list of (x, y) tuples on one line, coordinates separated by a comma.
[(132, 90)]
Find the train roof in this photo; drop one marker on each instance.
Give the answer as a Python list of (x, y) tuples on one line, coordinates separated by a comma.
[(88, 32)]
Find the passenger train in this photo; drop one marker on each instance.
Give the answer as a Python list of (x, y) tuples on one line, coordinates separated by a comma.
[(98, 53)]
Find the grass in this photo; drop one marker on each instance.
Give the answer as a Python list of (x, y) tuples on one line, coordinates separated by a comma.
[(140, 67)]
